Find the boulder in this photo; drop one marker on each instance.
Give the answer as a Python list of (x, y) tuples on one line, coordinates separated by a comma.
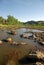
[(15, 43), (23, 43), (24, 35), (12, 32), (0, 42), (9, 39)]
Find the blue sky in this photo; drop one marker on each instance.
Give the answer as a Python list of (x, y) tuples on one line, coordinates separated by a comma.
[(24, 10)]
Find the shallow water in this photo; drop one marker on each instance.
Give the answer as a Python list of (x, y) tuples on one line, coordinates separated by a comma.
[(18, 39)]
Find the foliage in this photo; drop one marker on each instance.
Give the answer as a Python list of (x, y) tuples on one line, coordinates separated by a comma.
[(10, 20)]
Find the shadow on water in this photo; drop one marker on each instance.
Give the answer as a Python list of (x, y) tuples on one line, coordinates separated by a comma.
[(27, 60), (4, 40)]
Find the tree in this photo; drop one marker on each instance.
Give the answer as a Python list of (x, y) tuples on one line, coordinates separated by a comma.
[(12, 20)]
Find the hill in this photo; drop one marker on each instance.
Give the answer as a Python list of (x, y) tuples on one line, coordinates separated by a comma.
[(35, 22)]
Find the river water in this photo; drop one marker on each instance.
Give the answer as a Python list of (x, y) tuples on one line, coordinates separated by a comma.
[(18, 39)]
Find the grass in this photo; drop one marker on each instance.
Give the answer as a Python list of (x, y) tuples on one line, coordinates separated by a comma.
[(35, 27), (20, 26), (10, 26)]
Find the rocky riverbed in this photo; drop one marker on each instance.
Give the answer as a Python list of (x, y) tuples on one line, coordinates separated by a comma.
[(21, 46)]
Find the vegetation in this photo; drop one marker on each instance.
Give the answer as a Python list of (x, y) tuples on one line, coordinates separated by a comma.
[(9, 21), (12, 22), (34, 24), (40, 27)]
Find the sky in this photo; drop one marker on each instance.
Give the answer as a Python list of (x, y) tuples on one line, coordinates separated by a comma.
[(23, 10)]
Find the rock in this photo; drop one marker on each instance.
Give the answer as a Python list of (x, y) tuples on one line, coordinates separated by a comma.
[(39, 63), (9, 39), (12, 32), (42, 43), (15, 33), (24, 35), (0, 42), (23, 43), (40, 55), (36, 55), (15, 43), (30, 37)]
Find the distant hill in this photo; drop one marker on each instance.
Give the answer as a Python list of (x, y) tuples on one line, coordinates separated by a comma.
[(34, 22), (41, 22)]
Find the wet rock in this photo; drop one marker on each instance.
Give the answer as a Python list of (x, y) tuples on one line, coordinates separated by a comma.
[(23, 43), (24, 35), (0, 42), (39, 37), (12, 32), (36, 55), (15, 43), (41, 42), (30, 37), (38, 63), (40, 55), (9, 39)]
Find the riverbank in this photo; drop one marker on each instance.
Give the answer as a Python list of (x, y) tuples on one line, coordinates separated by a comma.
[(21, 26), (35, 27), (10, 26)]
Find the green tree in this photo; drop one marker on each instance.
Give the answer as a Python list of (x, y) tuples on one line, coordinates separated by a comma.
[(12, 20)]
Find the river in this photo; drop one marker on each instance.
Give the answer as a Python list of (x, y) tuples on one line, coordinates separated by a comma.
[(18, 39)]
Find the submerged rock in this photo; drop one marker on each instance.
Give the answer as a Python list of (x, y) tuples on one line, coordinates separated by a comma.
[(11, 62)]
